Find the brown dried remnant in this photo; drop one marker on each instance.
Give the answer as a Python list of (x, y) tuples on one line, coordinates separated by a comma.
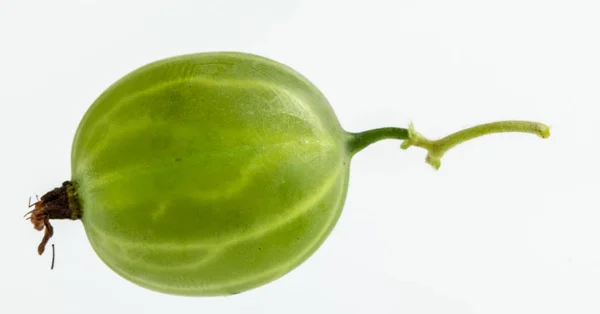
[(60, 203)]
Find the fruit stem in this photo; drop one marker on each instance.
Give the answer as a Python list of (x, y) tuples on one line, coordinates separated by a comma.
[(437, 148), (359, 141)]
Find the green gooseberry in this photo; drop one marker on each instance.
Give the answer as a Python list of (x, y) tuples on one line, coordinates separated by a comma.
[(216, 173)]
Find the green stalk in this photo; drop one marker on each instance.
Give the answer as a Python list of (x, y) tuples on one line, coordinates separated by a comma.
[(359, 141), (437, 148)]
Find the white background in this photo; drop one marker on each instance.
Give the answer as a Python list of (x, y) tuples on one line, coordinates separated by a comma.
[(509, 224)]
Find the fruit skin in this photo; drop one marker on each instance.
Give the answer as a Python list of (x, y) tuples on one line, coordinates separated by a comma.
[(209, 174)]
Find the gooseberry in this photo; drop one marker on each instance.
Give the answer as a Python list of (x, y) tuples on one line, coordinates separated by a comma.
[(215, 173)]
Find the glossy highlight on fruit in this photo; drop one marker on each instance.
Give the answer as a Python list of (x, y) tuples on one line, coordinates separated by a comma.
[(215, 173)]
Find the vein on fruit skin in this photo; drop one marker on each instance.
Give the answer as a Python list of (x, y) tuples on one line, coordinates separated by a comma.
[(225, 286), (246, 173), (297, 210), (140, 126), (239, 83)]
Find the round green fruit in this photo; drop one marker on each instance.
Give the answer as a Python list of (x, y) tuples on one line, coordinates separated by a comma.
[(215, 173)]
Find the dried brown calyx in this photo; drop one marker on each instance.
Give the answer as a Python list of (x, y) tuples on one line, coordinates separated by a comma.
[(60, 203)]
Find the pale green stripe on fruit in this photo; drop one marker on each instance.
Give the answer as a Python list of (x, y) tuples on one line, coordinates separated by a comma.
[(223, 286), (139, 126), (237, 187), (296, 211), (133, 258), (247, 172), (243, 84), (292, 261), (146, 167), (245, 179)]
